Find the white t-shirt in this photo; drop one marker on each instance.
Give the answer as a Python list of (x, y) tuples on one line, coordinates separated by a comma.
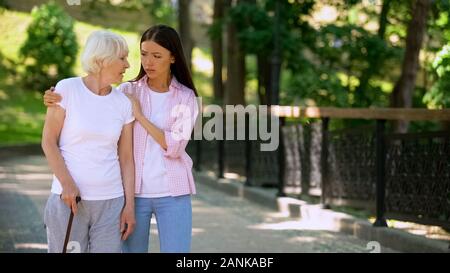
[(154, 183), (89, 139)]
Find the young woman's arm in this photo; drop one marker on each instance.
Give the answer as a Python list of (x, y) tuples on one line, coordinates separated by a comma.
[(51, 98), (127, 219), (175, 140), (177, 137), (155, 132), (54, 121)]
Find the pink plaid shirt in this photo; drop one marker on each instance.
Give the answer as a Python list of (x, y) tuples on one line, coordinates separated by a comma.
[(177, 130)]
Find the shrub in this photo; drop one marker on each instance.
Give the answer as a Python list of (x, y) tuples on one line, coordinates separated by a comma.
[(439, 95), (51, 48)]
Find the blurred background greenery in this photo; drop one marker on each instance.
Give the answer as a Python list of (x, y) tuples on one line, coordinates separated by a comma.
[(344, 53)]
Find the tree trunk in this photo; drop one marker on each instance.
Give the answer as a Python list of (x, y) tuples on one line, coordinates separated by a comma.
[(276, 58), (374, 62), (402, 94), (235, 68), (184, 25), (264, 82), (383, 18), (217, 51)]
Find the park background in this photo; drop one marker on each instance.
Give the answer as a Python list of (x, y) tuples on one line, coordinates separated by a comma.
[(331, 53), (344, 54)]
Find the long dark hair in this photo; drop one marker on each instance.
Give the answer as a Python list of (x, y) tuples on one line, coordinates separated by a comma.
[(168, 38)]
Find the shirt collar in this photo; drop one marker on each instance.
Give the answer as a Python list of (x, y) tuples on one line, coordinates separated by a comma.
[(174, 83)]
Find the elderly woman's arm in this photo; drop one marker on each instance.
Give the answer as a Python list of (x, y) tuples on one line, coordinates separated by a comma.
[(54, 121), (127, 219)]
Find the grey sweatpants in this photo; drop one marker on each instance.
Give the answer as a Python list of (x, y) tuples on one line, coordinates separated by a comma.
[(95, 228)]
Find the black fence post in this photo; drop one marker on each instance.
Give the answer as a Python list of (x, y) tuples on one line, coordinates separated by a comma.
[(380, 173), (281, 159), (221, 146), (248, 152), (304, 159), (198, 154), (325, 183)]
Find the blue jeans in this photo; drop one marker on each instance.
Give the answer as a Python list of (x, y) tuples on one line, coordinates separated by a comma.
[(174, 221)]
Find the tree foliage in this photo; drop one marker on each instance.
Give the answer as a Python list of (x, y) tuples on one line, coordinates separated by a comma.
[(439, 95), (51, 47), (345, 62)]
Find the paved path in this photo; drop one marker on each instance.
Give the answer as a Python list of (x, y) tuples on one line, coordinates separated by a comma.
[(221, 223)]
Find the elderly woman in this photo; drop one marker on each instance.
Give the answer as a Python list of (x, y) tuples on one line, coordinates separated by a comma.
[(165, 106), (87, 140)]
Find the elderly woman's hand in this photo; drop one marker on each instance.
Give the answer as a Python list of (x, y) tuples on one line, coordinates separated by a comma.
[(51, 98), (137, 110)]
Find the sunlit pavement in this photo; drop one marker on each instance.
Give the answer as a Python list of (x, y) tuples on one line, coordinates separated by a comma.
[(221, 223)]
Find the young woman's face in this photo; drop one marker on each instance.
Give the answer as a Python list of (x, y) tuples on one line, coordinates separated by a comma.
[(156, 60), (114, 70)]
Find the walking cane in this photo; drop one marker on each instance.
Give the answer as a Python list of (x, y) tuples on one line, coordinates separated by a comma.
[(69, 226)]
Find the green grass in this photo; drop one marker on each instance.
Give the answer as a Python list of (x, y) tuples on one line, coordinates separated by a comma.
[(21, 116), (358, 213), (13, 26), (22, 113), (13, 22)]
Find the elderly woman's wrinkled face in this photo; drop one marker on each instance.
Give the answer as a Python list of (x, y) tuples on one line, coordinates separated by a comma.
[(156, 60), (113, 71)]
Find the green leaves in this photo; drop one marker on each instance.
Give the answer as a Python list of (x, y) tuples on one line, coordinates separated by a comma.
[(50, 50), (253, 25), (439, 95), (316, 86), (442, 62), (353, 61), (161, 11)]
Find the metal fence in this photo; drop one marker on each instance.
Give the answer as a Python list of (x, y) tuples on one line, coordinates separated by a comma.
[(399, 176)]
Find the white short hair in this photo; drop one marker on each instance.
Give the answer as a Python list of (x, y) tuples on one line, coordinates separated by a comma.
[(102, 46)]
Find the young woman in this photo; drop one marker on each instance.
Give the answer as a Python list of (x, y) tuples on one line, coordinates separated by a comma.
[(165, 107), (87, 140)]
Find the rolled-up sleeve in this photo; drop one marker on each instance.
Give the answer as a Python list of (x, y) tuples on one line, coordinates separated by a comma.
[(180, 132)]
